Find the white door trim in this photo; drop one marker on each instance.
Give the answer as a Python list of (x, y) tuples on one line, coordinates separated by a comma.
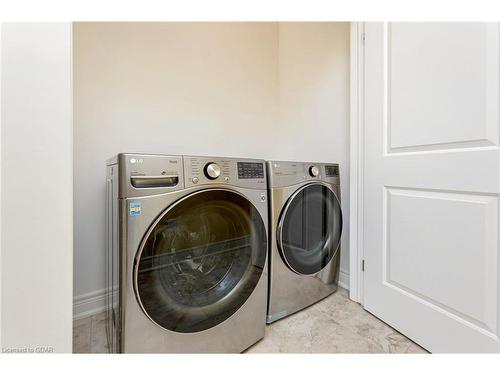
[(37, 100), (356, 163), (0, 189)]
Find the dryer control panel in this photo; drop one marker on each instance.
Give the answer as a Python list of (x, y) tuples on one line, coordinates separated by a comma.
[(288, 173)]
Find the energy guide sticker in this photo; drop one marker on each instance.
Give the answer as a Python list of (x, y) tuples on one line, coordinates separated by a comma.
[(135, 208)]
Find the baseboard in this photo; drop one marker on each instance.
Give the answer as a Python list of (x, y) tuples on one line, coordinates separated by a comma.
[(344, 279), (89, 304)]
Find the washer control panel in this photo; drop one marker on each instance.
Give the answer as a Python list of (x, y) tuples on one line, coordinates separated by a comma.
[(149, 174), (250, 170), (200, 170)]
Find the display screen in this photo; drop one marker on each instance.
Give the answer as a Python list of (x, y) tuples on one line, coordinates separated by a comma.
[(332, 170), (250, 170)]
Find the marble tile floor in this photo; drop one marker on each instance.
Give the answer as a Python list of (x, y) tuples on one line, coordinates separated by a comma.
[(333, 325)]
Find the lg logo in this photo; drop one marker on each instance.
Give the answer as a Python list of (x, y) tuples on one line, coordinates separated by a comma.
[(134, 160)]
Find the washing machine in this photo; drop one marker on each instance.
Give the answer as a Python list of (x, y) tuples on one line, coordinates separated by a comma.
[(305, 231), (186, 253)]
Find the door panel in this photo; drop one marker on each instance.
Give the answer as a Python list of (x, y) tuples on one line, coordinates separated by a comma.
[(439, 85), (439, 225), (431, 182)]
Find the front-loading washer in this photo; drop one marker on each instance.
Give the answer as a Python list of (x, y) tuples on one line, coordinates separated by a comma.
[(187, 253), (305, 230)]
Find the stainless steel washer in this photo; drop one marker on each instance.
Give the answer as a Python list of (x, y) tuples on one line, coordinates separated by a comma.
[(187, 253), (305, 231)]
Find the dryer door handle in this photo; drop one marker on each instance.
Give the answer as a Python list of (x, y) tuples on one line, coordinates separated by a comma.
[(154, 181)]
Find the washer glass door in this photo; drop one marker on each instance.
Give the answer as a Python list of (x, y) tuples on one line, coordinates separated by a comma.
[(309, 229), (200, 261)]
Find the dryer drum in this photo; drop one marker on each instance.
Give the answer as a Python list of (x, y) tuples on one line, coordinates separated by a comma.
[(310, 228), (200, 261)]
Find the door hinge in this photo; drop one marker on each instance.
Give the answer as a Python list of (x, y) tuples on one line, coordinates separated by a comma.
[(363, 37), (363, 265)]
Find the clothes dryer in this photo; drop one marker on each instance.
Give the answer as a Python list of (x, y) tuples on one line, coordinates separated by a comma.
[(305, 230)]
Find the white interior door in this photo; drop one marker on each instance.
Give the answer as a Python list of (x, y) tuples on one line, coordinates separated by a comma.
[(432, 182)]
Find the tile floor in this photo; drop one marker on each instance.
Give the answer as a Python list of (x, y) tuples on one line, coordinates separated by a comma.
[(334, 325)]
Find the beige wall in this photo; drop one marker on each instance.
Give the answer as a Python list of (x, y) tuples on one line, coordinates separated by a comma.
[(179, 88), (36, 192), (314, 102), (199, 88)]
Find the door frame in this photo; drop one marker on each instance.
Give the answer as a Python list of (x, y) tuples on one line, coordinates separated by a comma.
[(356, 190)]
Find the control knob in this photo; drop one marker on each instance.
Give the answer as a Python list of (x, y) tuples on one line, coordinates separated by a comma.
[(314, 171), (212, 171)]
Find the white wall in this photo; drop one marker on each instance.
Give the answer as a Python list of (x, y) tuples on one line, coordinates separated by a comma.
[(314, 102), (36, 191), (197, 88)]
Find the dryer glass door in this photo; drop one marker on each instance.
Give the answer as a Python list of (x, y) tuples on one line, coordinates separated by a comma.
[(309, 229), (200, 261)]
